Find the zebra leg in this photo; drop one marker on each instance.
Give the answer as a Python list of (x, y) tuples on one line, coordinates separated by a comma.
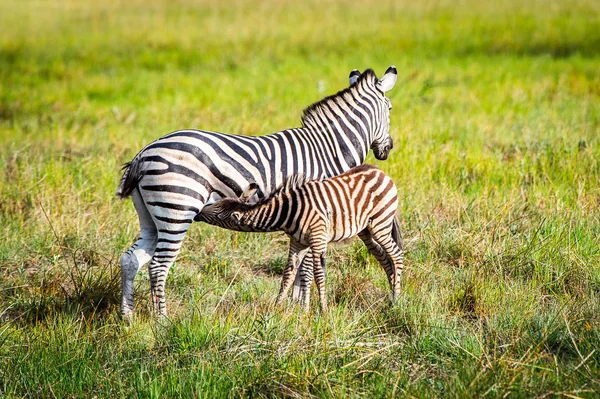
[(167, 249), (291, 270), (299, 291), (306, 277), (137, 255), (318, 252), (380, 254), (172, 225), (395, 254), (173, 213)]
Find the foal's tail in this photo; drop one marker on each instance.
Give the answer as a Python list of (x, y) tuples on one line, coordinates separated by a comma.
[(396, 235), (130, 179)]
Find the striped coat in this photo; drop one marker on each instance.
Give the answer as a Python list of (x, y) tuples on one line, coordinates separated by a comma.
[(362, 201), (171, 179)]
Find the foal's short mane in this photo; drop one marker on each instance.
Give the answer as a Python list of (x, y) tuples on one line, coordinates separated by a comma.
[(236, 204), (228, 205), (311, 112), (289, 184)]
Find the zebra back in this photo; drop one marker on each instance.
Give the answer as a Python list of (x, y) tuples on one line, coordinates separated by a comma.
[(336, 135)]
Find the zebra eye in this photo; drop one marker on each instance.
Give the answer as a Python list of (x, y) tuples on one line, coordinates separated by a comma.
[(236, 217)]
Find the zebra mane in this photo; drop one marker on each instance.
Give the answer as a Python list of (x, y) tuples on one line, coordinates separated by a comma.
[(293, 182), (311, 113), (289, 184), (231, 204)]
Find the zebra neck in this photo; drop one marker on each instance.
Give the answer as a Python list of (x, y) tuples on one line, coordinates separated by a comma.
[(345, 147)]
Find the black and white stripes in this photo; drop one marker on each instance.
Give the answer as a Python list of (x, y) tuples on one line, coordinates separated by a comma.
[(171, 179), (362, 201)]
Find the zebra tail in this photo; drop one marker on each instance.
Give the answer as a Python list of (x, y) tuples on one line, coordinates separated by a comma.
[(130, 179), (396, 235)]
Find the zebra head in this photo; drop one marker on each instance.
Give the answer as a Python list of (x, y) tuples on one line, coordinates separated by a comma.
[(227, 212), (382, 141)]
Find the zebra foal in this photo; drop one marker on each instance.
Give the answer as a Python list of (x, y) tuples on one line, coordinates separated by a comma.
[(362, 201)]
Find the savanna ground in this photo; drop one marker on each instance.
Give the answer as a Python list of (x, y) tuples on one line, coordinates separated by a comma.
[(496, 124)]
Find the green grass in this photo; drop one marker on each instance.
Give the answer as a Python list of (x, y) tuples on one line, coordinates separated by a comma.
[(496, 124)]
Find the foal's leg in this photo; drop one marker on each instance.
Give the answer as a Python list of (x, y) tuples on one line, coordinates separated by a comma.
[(318, 248), (380, 254), (291, 270), (394, 253), (306, 277), (300, 293)]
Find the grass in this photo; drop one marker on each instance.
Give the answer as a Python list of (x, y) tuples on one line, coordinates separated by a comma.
[(496, 124)]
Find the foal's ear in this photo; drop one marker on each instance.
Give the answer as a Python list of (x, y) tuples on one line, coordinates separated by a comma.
[(249, 192), (388, 80), (212, 198)]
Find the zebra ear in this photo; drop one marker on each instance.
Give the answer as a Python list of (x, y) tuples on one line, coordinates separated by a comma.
[(214, 197), (388, 80), (249, 192), (353, 76)]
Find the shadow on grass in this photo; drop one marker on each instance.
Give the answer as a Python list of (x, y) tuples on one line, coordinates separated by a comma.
[(81, 283), (272, 267)]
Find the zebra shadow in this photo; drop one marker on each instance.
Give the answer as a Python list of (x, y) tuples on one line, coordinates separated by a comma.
[(81, 283), (272, 267)]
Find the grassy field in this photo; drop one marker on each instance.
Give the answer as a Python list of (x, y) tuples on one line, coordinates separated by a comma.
[(496, 123)]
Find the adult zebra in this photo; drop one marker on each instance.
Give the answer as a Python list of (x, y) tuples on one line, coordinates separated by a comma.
[(171, 179)]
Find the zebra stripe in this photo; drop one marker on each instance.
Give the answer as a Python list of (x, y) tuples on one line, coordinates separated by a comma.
[(362, 201), (171, 179)]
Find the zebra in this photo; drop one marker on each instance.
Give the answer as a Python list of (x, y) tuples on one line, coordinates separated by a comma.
[(362, 201), (171, 179)]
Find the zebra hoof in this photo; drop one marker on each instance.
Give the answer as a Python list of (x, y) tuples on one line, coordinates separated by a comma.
[(127, 316)]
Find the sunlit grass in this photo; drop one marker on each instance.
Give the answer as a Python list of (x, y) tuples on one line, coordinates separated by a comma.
[(496, 123)]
